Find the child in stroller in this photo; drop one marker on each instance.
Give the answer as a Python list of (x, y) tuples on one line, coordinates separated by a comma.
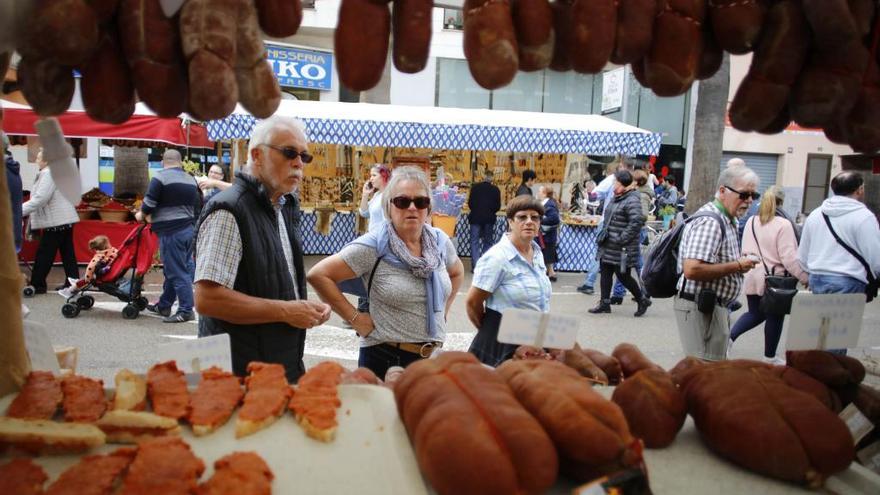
[(104, 254), (117, 272)]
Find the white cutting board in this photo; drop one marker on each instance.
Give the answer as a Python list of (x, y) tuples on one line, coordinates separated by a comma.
[(370, 455)]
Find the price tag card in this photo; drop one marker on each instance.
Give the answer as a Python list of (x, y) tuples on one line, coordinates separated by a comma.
[(858, 424), (193, 356), (39, 348), (825, 321), (525, 327)]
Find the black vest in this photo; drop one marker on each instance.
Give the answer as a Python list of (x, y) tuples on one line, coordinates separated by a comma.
[(262, 273)]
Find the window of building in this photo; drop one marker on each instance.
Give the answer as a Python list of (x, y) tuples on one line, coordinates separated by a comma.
[(816, 183), (525, 92), (568, 92), (456, 87), (453, 19)]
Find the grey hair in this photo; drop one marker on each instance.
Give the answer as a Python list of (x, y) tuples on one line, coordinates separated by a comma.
[(737, 177), (736, 162), (265, 130), (399, 175)]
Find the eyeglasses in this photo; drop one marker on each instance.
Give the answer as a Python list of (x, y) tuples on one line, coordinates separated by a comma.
[(523, 218), (403, 202), (291, 153), (744, 195)]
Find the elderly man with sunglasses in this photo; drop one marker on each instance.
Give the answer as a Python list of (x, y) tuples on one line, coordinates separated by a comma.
[(250, 279), (712, 266)]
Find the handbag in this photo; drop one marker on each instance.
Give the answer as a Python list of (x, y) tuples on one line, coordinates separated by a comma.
[(485, 345), (779, 290), (873, 281)]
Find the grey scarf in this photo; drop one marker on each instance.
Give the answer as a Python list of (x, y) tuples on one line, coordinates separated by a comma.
[(420, 266)]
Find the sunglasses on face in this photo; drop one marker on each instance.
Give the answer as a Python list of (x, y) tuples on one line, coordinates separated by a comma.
[(744, 195), (291, 153), (403, 202)]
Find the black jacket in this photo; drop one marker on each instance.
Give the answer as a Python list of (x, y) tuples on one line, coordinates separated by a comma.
[(623, 222), (484, 202), (262, 273), (13, 181), (550, 222), (524, 189)]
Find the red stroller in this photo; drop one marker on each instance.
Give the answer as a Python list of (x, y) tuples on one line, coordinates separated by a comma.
[(136, 254)]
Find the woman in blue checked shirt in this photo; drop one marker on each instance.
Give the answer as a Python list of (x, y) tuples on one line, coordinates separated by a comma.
[(511, 274)]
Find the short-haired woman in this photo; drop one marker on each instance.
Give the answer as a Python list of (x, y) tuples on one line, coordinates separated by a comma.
[(619, 243), (510, 275), (770, 235), (411, 274)]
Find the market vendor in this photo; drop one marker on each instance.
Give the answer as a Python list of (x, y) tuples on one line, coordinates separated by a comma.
[(250, 280), (411, 274)]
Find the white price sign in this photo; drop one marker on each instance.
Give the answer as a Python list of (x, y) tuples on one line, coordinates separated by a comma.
[(825, 321), (524, 327), (193, 356)]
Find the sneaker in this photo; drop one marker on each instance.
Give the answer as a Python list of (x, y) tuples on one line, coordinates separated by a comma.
[(180, 317), (775, 361), (616, 300), (61, 287), (156, 310), (585, 289), (66, 292)]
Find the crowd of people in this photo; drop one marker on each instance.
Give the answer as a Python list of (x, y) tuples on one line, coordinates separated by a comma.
[(237, 258)]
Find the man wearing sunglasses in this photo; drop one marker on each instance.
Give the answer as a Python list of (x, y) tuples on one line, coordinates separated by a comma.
[(712, 266), (250, 280)]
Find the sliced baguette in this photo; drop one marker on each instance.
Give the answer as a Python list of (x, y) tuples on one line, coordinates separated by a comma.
[(131, 392), (39, 436), (136, 426), (245, 427)]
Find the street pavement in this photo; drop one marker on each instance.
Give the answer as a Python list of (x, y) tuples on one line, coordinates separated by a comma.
[(106, 342)]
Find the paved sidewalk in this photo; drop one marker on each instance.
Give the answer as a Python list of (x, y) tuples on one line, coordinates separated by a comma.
[(107, 342)]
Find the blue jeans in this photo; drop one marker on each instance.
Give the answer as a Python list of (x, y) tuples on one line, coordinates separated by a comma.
[(619, 290), (753, 318), (176, 249), (482, 238), (592, 273), (836, 284)]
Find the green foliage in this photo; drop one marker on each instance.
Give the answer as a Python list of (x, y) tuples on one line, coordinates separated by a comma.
[(193, 168), (667, 211)]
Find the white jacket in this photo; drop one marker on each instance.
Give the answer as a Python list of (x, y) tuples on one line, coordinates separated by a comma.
[(47, 207), (820, 254)]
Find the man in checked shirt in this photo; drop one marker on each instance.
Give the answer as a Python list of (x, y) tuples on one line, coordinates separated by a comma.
[(712, 266), (250, 280)]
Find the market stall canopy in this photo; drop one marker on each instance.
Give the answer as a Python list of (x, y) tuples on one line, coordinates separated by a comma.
[(142, 126), (367, 124)]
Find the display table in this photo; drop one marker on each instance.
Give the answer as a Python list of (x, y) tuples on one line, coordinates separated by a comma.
[(83, 232)]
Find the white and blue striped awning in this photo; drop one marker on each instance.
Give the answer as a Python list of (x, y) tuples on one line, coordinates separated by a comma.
[(364, 124)]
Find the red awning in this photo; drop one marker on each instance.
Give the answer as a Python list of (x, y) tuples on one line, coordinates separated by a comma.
[(19, 120)]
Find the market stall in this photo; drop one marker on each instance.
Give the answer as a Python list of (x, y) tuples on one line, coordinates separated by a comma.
[(458, 144)]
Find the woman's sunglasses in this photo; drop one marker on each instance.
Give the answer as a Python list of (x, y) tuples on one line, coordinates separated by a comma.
[(403, 202), (744, 195), (291, 153)]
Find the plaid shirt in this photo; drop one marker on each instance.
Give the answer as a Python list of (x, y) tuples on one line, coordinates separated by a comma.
[(219, 250), (512, 281), (701, 240)]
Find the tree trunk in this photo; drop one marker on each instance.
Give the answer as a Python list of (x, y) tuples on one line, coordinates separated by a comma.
[(708, 136), (130, 174)]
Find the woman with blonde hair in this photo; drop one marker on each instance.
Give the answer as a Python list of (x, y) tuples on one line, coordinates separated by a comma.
[(770, 236)]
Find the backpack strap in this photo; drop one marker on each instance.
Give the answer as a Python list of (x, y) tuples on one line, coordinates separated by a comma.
[(869, 274), (372, 274), (712, 214)]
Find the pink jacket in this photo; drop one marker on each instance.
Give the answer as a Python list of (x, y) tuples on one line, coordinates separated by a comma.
[(779, 247)]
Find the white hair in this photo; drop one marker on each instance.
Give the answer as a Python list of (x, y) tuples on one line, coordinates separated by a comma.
[(736, 162), (265, 130), (737, 177), (399, 175)]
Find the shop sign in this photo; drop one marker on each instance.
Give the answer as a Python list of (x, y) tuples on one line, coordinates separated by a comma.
[(612, 89), (300, 67)]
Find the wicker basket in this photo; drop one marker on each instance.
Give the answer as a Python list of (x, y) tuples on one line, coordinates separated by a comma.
[(86, 214), (116, 216)]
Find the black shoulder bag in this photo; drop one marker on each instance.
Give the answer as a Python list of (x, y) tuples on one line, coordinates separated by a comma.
[(873, 282), (779, 290)]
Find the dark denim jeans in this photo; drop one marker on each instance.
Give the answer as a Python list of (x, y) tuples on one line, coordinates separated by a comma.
[(836, 284), (378, 358), (482, 238), (176, 250), (754, 317)]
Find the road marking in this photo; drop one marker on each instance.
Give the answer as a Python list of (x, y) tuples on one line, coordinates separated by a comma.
[(182, 337)]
